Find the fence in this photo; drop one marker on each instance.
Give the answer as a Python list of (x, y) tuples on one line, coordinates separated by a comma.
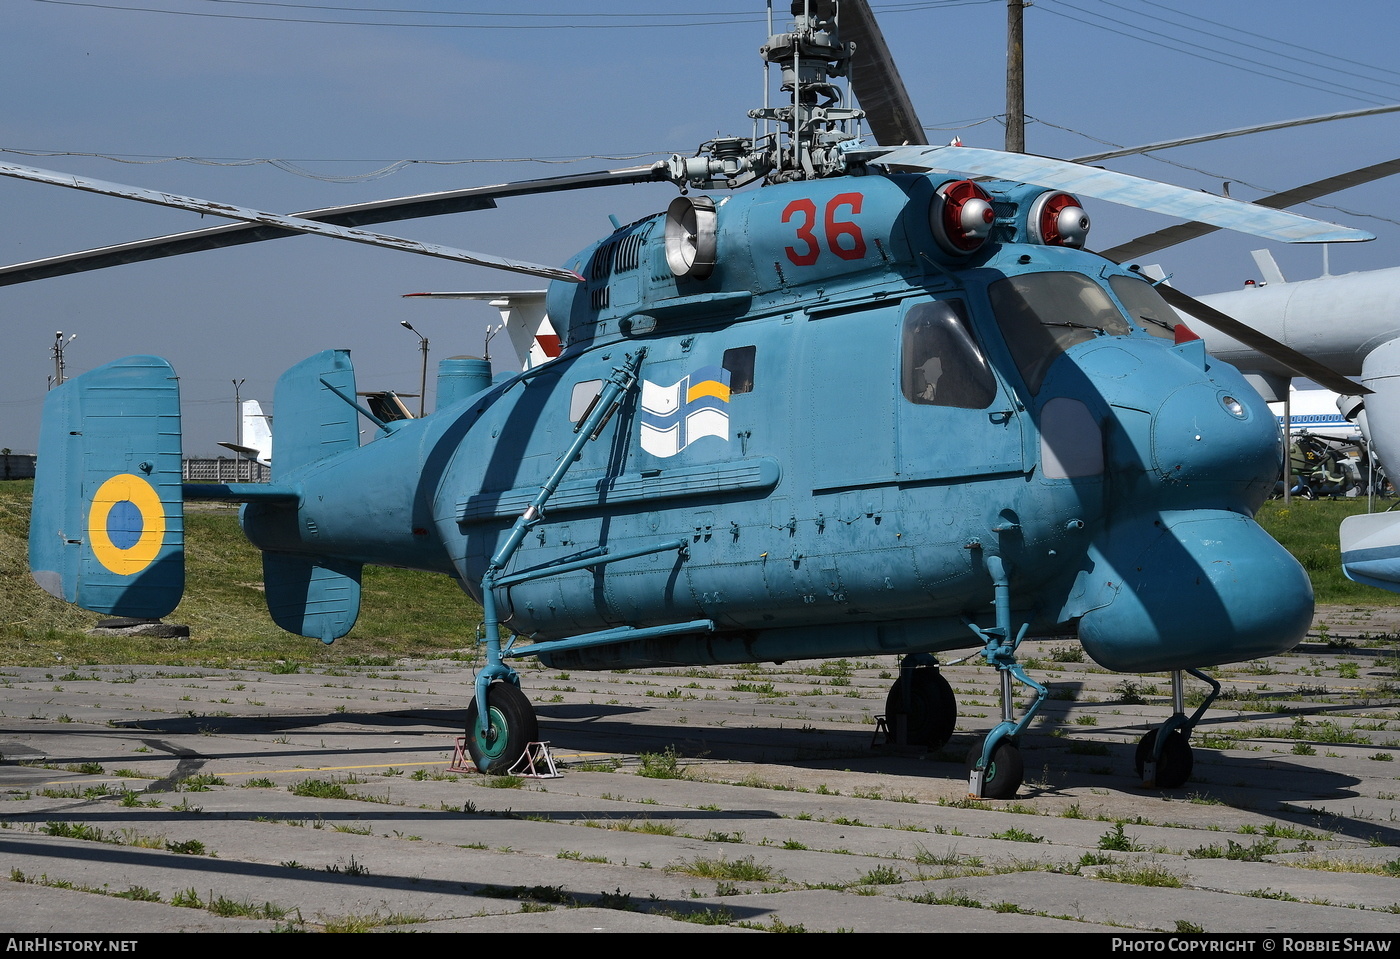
[(225, 469), (221, 469), (16, 466)]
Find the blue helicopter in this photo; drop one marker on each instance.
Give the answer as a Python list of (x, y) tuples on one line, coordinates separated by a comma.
[(884, 402)]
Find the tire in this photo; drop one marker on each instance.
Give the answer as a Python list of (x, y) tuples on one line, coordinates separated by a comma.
[(933, 709), (1174, 766), (513, 727), (1005, 773)]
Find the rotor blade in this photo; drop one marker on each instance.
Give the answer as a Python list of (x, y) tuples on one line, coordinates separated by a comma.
[(1120, 188), (357, 214), (1241, 131), (1181, 232), (485, 295), (1249, 336), (876, 80)]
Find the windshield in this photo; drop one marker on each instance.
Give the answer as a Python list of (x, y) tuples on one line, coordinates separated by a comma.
[(1043, 314), (1146, 305)]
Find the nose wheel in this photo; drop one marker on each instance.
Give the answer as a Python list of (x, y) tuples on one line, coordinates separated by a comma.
[(995, 768), (1164, 758), (1002, 775)]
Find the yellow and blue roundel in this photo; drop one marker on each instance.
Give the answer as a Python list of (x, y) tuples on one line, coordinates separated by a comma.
[(126, 524)]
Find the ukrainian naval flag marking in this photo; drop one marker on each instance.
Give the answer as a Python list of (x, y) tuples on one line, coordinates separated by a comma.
[(675, 416)]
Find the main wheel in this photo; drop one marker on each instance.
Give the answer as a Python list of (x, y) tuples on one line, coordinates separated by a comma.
[(933, 710), (1174, 766), (1004, 774), (513, 727)]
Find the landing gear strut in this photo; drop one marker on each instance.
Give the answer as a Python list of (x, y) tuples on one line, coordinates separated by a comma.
[(1163, 757), (501, 723), (995, 768)]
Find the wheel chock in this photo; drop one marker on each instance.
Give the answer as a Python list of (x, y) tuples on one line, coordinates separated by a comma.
[(537, 763), (976, 778), (461, 761), (882, 727)]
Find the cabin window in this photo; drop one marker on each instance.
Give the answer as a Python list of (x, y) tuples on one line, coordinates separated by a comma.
[(739, 363), (941, 363), (1146, 306), (582, 398), (1043, 314)]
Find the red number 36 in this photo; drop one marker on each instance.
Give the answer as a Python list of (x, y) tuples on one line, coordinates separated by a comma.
[(843, 237)]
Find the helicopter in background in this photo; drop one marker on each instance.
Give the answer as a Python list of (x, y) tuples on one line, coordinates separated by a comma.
[(882, 403), (1351, 322)]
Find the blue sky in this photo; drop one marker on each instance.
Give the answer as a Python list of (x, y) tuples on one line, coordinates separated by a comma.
[(346, 99)]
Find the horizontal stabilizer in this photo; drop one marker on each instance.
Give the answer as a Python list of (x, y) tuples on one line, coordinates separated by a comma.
[(107, 528)]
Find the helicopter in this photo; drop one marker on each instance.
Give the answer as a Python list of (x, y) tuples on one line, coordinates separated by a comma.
[(884, 402), (1351, 322)]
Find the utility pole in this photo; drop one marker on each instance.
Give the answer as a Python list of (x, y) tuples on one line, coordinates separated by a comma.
[(1015, 78), (423, 380)]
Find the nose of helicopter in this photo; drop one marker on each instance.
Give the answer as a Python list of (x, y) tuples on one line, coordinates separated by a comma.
[(1191, 588), (1215, 439), (1184, 431), (1181, 575)]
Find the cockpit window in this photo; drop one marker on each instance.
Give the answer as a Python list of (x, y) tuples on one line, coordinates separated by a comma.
[(1146, 306), (941, 364), (1043, 314)]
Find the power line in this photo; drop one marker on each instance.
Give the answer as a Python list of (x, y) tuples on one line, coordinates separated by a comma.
[(1049, 6), (574, 21), (1252, 37)]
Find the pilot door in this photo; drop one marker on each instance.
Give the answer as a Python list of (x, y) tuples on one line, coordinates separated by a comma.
[(954, 417)]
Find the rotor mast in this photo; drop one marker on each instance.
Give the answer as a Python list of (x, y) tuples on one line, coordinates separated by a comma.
[(815, 123), (809, 58)]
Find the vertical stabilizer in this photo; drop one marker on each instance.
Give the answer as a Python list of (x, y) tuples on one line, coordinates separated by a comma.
[(1268, 267), (313, 422), (107, 527)]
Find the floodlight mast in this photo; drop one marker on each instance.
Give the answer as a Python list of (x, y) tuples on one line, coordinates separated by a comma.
[(423, 379), (238, 411), (59, 343)]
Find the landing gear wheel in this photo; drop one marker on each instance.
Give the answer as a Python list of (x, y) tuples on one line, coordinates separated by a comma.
[(1005, 772), (1174, 767), (513, 727), (933, 710)]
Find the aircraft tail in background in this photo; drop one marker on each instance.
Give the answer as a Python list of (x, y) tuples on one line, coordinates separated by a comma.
[(257, 434), (532, 333)]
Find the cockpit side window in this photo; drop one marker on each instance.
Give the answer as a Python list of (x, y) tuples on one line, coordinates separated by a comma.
[(941, 364), (1146, 306), (1043, 314)]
